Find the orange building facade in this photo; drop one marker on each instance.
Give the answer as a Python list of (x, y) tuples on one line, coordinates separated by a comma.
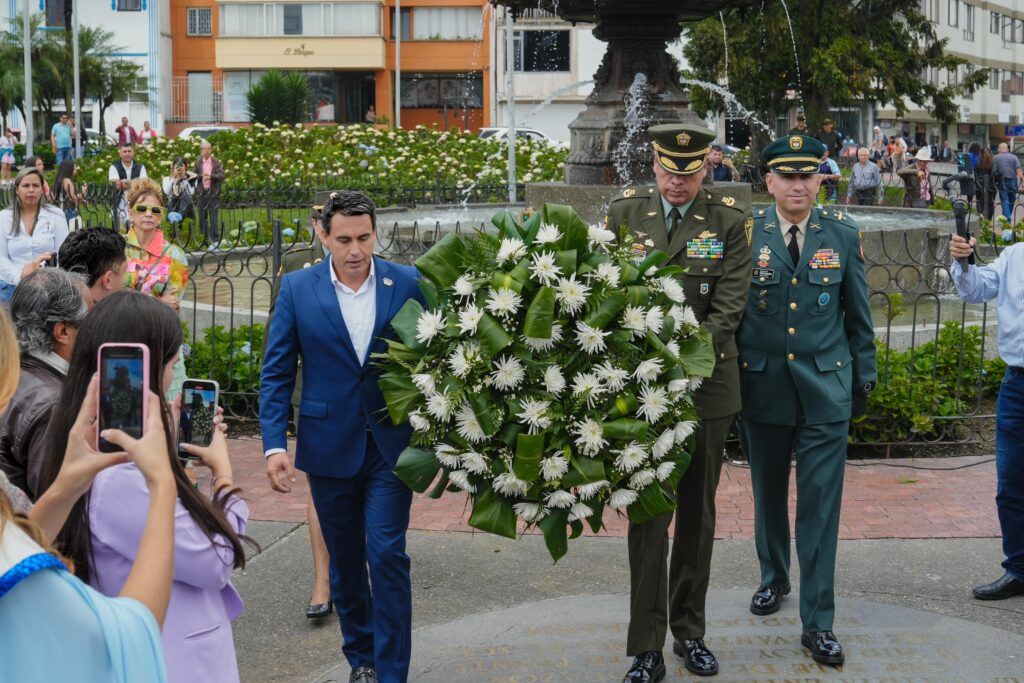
[(346, 48)]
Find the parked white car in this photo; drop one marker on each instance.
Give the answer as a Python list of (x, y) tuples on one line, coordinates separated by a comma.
[(202, 131), (501, 133)]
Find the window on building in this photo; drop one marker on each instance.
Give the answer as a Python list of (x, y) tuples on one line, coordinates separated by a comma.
[(541, 50), (200, 21), (930, 9), (55, 13), (129, 5), (994, 22), (968, 21), (434, 91), (292, 19), (1007, 30), (446, 23), (406, 23), (993, 79), (953, 13), (300, 19)]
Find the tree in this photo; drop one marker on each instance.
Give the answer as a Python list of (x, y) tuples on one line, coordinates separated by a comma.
[(279, 96), (848, 51), (115, 80)]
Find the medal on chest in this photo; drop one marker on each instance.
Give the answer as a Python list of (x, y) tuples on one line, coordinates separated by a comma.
[(825, 259)]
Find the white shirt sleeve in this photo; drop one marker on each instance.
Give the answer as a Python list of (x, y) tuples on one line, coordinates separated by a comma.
[(978, 284), (9, 272), (142, 172), (112, 173)]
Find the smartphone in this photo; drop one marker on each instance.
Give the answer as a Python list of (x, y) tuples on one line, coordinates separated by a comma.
[(124, 388), (198, 408)]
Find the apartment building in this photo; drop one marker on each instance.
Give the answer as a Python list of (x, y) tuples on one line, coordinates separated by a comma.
[(346, 48)]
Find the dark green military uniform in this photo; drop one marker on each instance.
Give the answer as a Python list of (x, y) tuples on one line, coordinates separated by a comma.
[(806, 343), (716, 290)]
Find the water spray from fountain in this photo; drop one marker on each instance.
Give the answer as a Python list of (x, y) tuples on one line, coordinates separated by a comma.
[(637, 120), (551, 98), (796, 57)]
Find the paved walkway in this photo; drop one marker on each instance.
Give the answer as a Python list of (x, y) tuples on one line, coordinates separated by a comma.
[(923, 498)]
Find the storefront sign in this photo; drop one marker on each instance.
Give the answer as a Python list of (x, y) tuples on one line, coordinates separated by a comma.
[(300, 50), (1014, 131)]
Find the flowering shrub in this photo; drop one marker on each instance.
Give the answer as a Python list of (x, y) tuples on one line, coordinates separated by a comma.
[(357, 156), (550, 377)]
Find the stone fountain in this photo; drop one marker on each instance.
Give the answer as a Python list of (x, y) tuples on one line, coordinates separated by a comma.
[(637, 85)]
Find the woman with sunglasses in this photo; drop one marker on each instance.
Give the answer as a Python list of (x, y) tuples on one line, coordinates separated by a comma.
[(154, 266)]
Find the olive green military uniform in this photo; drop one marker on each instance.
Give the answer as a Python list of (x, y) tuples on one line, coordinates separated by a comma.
[(716, 290), (806, 343)]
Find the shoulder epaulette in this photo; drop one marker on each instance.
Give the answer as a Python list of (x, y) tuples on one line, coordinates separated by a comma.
[(635, 193), (838, 216), (719, 198)]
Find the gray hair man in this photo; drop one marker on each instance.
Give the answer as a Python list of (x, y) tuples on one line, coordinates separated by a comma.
[(47, 308)]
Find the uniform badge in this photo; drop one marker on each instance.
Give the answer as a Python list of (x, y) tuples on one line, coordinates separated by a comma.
[(652, 213), (762, 274), (705, 247), (825, 259), (700, 218), (628, 192), (387, 281), (762, 301), (705, 288), (728, 201), (683, 139), (639, 251), (707, 233), (824, 299), (796, 142), (748, 230)]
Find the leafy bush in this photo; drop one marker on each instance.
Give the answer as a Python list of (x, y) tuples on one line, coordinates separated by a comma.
[(231, 358), (936, 379), (279, 96)]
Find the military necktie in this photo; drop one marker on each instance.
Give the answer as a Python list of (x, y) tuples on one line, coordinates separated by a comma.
[(673, 219), (794, 248)]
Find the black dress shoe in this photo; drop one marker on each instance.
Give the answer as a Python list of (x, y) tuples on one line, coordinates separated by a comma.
[(824, 647), (1004, 587), (364, 674), (697, 658), (319, 610), (768, 600), (648, 667)]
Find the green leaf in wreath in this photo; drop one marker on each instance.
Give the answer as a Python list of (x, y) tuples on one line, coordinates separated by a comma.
[(531, 226), (540, 316), (417, 467), (400, 395), (442, 263), (493, 337), (575, 232), (486, 413), (506, 281), (506, 224), (583, 471), (698, 354), (555, 538), (625, 429), (606, 310), (493, 513), (529, 450), (577, 529), (566, 261), (650, 503), (653, 259), (404, 324), (439, 488), (637, 295), (429, 291), (669, 270), (624, 405)]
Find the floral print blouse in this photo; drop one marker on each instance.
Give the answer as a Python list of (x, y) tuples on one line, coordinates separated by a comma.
[(156, 270)]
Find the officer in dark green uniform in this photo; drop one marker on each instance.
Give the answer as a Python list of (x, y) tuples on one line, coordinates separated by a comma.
[(807, 361), (707, 231)]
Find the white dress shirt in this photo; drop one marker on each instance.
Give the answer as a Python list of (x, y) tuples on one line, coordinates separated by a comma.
[(17, 250), (359, 309)]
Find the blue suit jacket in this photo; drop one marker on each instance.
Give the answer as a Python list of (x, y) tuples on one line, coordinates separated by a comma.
[(342, 405)]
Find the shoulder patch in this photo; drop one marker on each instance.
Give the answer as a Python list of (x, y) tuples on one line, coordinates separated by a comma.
[(632, 193), (748, 230)]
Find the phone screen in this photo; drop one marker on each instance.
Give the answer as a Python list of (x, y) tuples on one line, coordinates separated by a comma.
[(122, 372), (198, 408)]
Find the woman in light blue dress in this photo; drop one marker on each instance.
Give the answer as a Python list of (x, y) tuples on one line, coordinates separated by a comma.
[(56, 628)]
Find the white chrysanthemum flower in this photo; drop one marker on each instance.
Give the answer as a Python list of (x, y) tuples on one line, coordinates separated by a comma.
[(461, 480), (612, 377), (684, 430), (634, 319), (508, 373), (548, 234), (447, 455), (469, 318), (464, 287), (663, 444), (579, 511), (544, 345), (588, 491), (599, 237), (560, 499), (468, 426), (554, 383), (689, 318), (642, 479), (673, 347), (503, 301), (665, 470), (463, 358), (511, 248), (695, 382), (622, 499), (534, 414), (440, 407), (655, 319), (677, 313), (530, 512), (544, 268), (589, 436), (475, 463), (673, 290), (630, 457), (678, 386), (507, 484), (425, 383), (428, 326), (591, 339), (648, 370), (653, 403), (554, 467), (609, 273), (587, 385), (418, 422), (571, 294)]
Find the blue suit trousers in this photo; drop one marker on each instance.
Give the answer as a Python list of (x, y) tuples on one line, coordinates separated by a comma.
[(364, 519), (1010, 470)]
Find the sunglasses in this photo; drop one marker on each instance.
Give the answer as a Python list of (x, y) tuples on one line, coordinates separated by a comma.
[(142, 210)]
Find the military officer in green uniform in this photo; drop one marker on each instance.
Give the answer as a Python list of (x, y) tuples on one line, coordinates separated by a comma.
[(707, 231), (807, 362)]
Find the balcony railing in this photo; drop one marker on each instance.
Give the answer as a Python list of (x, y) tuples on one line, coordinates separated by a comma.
[(197, 99)]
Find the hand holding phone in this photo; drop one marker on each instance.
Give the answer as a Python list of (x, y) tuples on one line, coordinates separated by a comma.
[(124, 388), (199, 398)]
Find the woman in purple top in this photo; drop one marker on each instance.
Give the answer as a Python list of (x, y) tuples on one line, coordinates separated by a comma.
[(104, 530)]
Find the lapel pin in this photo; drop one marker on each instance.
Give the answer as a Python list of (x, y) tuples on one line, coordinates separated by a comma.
[(387, 281)]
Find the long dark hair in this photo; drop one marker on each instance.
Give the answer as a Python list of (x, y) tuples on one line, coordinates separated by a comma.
[(127, 317), (64, 171), (985, 160)]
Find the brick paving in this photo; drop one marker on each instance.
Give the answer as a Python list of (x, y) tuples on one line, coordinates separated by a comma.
[(879, 501)]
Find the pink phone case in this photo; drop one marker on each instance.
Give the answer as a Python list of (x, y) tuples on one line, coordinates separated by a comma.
[(145, 383)]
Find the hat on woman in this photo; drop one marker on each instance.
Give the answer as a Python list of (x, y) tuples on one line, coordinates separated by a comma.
[(923, 154)]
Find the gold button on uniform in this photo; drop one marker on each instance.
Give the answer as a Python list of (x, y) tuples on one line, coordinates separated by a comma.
[(791, 357), (839, 363), (793, 281), (792, 305), (761, 279), (825, 280), (792, 330), (705, 270), (746, 365)]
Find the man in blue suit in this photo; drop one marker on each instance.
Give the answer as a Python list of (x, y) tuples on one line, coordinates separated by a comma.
[(333, 315)]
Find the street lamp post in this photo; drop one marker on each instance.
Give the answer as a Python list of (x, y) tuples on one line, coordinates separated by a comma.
[(27, 30), (510, 70), (79, 122), (397, 28)]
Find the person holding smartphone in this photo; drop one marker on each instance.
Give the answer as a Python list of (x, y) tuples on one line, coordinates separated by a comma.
[(104, 531), (46, 609)]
